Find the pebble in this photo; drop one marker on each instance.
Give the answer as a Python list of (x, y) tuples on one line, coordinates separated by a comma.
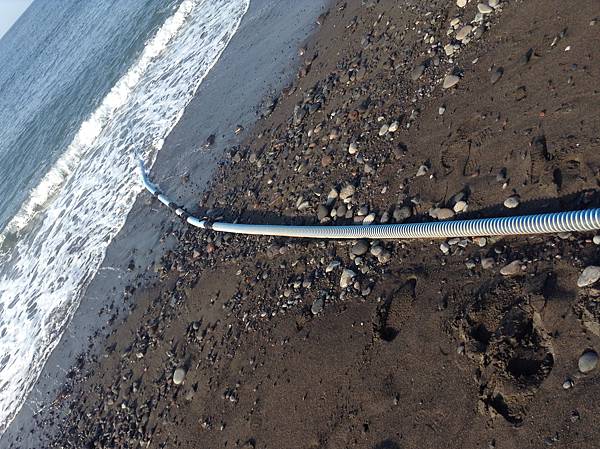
[(331, 196), (353, 148), (383, 130), (464, 32), (450, 81), (347, 192), (484, 9), (588, 361), (332, 266), (568, 383), (416, 73), (178, 376), (494, 3), (512, 202), (444, 247), (589, 276), (441, 110), (441, 213), (512, 269), (359, 248), (487, 263), (317, 306), (369, 219), (596, 240), (481, 241), (449, 49), (402, 213), (461, 3), (460, 206), (322, 212), (422, 171), (376, 251), (393, 127), (384, 257), (346, 278), (496, 74)]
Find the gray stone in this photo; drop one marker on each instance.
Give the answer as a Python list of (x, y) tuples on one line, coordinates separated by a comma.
[(346, 278), (179, 376), (589, 276), (512, 269), (460, 206), (487, 263), (317, 306), (422, 171), (441, 213), (360, 248), (369, 219), (588, 361), (402, 213), (496, 74), (347, 192), (484, 9), (322, 212), (464, 32), (332, 266), (461, 3), (450, 81), (512, 202), (416, 73)]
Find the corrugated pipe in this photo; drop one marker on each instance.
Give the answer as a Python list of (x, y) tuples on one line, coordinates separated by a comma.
[(581, 220)]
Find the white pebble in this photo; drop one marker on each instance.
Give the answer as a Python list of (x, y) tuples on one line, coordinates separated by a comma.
[(589, 276)]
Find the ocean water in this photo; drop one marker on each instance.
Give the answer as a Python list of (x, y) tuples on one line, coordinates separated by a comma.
[(85, 87)]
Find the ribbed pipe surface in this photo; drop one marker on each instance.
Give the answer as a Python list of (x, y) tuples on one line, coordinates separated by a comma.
[(581, 220)]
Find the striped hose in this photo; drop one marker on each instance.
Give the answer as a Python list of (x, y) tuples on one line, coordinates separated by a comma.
[(581, 220)]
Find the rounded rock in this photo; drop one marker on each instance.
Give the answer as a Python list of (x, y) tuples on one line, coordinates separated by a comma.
[(347, 192), (416, 73), (496, 75), (360, 248), (450, 81), (589, 276), (346, 278), (179, 376), (484, 9), (464, 32), (512, 269), (588, 361), (322, 212), (512, 202), (317, 306)]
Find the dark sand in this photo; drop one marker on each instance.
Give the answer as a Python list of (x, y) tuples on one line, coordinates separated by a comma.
[(425, 349)]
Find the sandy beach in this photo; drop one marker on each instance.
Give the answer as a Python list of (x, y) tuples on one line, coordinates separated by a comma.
[(357, 112)]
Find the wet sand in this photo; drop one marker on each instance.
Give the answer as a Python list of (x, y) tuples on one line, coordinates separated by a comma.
[(252, 342)]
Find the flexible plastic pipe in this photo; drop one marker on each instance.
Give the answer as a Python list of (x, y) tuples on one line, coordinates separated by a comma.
[(581, 220)]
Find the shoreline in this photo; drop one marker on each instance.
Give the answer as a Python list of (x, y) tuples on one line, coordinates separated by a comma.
[(256, 342), (132, 255)]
